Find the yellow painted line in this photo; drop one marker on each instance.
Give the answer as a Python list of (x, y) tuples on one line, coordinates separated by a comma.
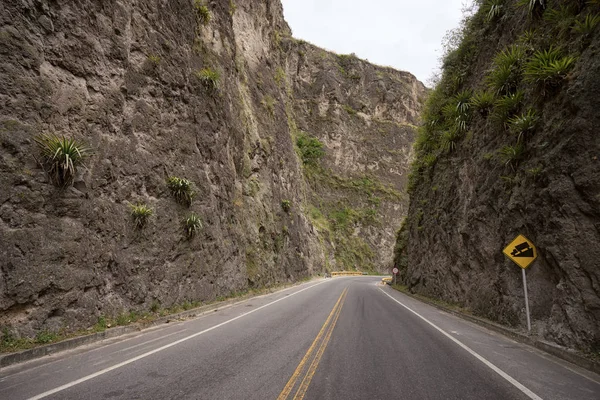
[(313, 366), (294, 378)]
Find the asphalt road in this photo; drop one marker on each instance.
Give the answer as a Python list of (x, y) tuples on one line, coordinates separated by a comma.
[(341, 338)]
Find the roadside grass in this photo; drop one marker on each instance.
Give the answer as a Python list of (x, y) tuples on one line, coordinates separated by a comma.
[(9, 343)]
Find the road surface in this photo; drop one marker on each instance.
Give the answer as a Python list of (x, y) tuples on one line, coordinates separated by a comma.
[(340, 338)]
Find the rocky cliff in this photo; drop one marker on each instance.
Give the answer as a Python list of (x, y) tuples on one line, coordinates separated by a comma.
[(509, 145), (297, 156)]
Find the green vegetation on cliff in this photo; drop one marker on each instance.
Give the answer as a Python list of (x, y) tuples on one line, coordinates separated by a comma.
[(508, 145)]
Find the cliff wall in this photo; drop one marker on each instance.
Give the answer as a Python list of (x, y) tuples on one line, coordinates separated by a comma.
[(218, 93)]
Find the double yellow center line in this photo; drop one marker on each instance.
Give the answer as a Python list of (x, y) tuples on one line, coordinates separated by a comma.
[(314, 355)]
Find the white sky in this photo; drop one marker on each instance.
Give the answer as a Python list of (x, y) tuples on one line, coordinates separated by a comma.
[(404, 34)]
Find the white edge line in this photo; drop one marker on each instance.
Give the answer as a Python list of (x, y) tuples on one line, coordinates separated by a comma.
[(497, 370), (121, 364)]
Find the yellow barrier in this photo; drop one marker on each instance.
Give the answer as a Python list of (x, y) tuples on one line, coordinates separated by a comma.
[(346, 273)]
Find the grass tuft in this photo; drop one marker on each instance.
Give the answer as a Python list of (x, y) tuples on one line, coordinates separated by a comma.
[(286, 205), (202, 12)]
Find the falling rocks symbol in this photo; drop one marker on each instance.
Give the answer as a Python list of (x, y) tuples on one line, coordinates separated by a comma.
[(522, 250)]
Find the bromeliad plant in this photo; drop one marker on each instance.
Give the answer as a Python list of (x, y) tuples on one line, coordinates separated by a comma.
[(523, 124), (548, 67), (209, 78), (181, 189), (483, 102), (60, 157), (141, 213), (192, 225)]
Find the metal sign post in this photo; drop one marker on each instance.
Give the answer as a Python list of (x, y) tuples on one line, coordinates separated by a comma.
[(395, 271), (526, 300), (522, 252)]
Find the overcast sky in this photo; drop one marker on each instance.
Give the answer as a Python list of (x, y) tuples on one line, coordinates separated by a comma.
[(404, 34)]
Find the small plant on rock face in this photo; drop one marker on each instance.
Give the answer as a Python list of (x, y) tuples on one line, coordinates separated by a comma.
[(483, 102), (493, 9), (549, 67), (192, 225), (140, 214), (154, 59), (587, 26), (532, 5), (209, 78), (286, 205), (181, 189), (60, 157), (523, 124), (202, 12), (506, 106), (449, 140), (508, 70), (511, 155)]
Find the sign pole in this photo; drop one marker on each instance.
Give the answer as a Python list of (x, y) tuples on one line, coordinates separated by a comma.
[(526, 300), (395, 279)]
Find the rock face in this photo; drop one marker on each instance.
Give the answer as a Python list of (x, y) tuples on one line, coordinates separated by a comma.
[(126, 78), (468, 202)]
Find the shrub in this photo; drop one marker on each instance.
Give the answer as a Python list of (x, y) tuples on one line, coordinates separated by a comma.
[(524, 123), (181, 189), (192, 225), (286, 205), (60, 157), (511, 155), (483, 102), (310, 149), (202, 12), (209, 78), (548, 67), (140, 214)]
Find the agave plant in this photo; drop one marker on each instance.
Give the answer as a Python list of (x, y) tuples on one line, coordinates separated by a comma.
[(192, 225), (60, 157), (181, 189), (140, 213)]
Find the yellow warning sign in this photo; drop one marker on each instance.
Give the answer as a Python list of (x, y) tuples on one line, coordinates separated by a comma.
[(521, 251)]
